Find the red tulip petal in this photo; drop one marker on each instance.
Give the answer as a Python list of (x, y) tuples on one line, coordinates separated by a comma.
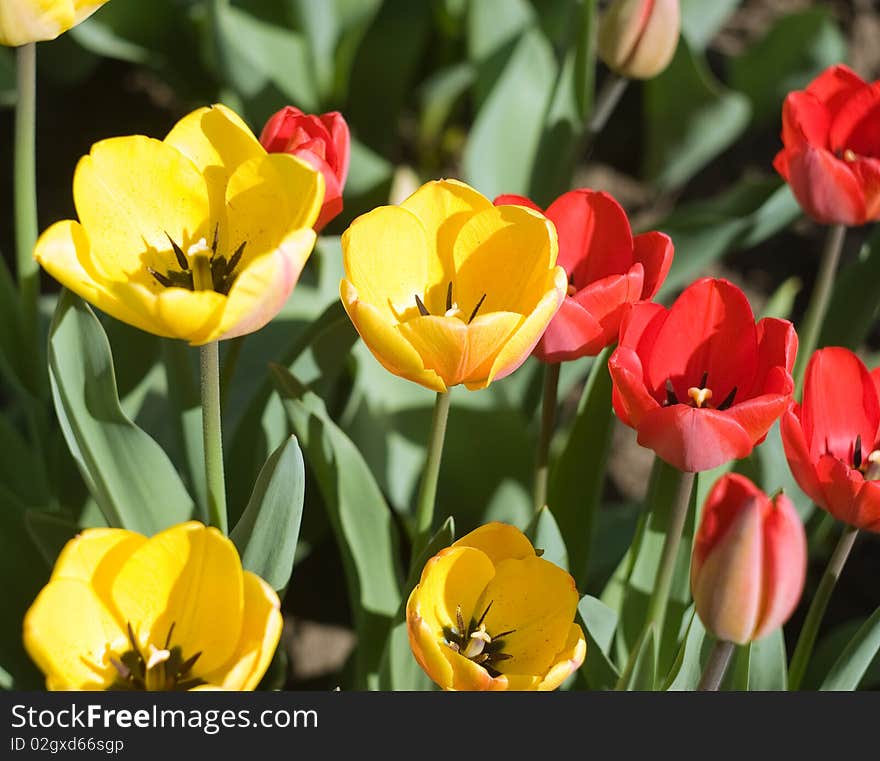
[(780, 164), (797, 452), (875, 376), (570, 334), (693, 439), (805, 119), (867, 506), (629, 397), (723, 503), (640, 325), (834, 85), (867, 172), (654, 251), (710, 329), (785, 565), (840, 485), (608, 299), (777, 348), (340, 137), (855, 126), (757, 415), (825, 187), (840, 402), (515, 200), (595, 239)]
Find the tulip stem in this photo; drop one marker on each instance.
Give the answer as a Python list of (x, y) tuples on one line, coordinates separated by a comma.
[(26, 184), (669, 554), (213, 439), (716, 666), (818, 307), (545, 436), (807, 638), (428, 488), (606, 101)]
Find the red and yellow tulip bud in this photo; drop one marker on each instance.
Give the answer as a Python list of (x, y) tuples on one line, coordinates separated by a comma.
[(749, 561), (24, 21), (489, 614), (322, 141), (447, 288), (637, 38), (172, 612)]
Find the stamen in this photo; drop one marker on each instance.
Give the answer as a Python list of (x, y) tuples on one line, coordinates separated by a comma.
[(571, 290), (160, 278), (458, 617), (857, 453), (850, 156), (483, 617), (705, 380), (157, 656), (124, 671), (423, 310), (449, 296), (728, 400), (182, 261), (476, 309), (133, 641), (699, 396), (216, 241), (671, 398), (170, 632), (236, 258)]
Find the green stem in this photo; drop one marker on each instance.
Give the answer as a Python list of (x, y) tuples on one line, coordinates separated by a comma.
[(716, 666), (26, 185), (428, 488), (807, 638), (809, 333), (213, 440), (669, 554), (606, 101), (548, 423)]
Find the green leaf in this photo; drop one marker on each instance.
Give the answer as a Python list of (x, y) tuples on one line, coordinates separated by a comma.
[(599, 622), (687, 668), (127, 473), (578, 474), (641, 670), (798, 47), (267, 532), (690, 119), (856, 658), (545, 535), (701, 21), (768, 668), (365, 532)]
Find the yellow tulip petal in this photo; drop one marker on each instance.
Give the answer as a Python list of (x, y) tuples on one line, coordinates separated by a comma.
[(189, 576), (268, 197), (520, 345), (259, 637), (67, 631), (131, 193), (443, 206), (568, 661), (386, 343), (263, 286), (522, 682), (505, 253), (536, 599), (487, 336), (441, 343), (23, 21), (426, 647), (217, 142), (499, 541), (192, 316), (386, 254)]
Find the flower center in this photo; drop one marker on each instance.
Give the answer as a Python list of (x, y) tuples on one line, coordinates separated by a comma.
[(452, 308), (698, 396), (201, 269), (156, 669), (475, 643), (868, 465)]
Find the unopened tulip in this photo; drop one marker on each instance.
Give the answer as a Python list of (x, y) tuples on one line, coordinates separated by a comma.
[(700, 381), (448, 289), (321, 140), (607, 267), (489, 614), (832, 439), (749, 562), (172, 612), (24, 21), (638, 38), (831, 148)]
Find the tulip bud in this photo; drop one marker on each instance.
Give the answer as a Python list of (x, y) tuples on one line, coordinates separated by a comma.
[(637, 38), (749, 562), (322, 141)]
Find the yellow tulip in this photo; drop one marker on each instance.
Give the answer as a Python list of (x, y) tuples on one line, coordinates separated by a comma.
[(23, 21), (200, 236), (447, 288), (489, 614), (173, 612)]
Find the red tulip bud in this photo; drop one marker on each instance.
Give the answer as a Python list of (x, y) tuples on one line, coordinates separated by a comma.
[(322, 141), (637, 38), (749, 563)]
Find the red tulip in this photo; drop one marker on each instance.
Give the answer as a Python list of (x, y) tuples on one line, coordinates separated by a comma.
[(700, 382), (607, 270), (322, 141), (832, 440), (749, 562), (831, 154)]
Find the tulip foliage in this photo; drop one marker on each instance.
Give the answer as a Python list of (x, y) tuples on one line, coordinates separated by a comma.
[(364, 326)]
